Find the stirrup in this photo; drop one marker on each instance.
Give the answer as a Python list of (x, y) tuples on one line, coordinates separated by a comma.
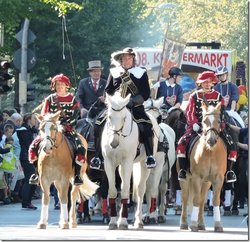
[(182, 175), (95, 163), (34, 179), (231, 178)]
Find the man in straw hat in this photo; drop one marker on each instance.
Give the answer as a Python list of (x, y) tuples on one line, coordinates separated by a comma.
[(91, 88), (126, 78), (205, 93)]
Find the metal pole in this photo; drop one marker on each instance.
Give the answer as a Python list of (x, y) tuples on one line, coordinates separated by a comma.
[(24, 51)]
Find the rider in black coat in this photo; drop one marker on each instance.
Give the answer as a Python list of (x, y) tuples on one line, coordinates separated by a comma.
[(126, 78)]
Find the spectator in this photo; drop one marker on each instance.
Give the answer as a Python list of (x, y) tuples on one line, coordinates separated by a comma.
[(91, 88), (26, 134)]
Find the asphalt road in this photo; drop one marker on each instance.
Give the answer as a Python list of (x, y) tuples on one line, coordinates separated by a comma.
[(20, 224)]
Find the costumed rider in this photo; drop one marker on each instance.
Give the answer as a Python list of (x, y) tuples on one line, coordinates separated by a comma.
[(64, 101), (205, 93), (126, 78), (229, 92), (170, 89)]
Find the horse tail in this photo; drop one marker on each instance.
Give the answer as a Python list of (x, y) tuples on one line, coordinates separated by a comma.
[(88, 188)]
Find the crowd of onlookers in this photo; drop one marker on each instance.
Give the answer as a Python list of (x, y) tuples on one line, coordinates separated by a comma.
[(15, 169)]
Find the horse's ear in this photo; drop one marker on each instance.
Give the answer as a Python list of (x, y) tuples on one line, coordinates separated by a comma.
[(107, 98), (127, 98), (39, 117), (203, 106), (57, 115), (218, 106)]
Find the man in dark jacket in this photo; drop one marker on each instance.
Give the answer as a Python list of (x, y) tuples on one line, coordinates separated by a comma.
[(91, 88)]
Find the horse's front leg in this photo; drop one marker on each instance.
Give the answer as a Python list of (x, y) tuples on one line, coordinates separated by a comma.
[(110, 171), (184, 196), (42, 224), (204, 190), (140, 176), (63, 196), (196, 185), (217, 185), (125, 173), (72, 212)]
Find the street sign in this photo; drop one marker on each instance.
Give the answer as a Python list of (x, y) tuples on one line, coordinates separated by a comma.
[(31, 36), (31, 59)]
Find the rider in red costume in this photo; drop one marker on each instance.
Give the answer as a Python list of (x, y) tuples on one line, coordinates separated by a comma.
[(206, 81)]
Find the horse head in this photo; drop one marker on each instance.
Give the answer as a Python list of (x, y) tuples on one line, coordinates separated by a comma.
[(49, 128), (211, 123), (153, 106), (116, 117)]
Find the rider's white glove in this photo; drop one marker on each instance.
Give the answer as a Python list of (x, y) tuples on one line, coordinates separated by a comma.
[(196, 127)]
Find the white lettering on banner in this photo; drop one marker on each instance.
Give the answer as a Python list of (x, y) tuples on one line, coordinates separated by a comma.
[(208, 59)]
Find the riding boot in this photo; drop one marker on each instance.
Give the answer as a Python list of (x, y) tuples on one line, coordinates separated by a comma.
[(150, 161), (182, 174), (230, 175), (96, 161), (34, 178), (78, 180)]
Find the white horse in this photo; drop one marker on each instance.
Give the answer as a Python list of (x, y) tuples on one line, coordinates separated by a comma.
[(120, 139), (160, 175)]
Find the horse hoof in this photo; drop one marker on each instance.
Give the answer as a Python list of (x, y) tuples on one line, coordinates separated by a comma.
[(123, 227), (153, 220), (86, 219), (138, 226), (193, 228), (201, 227), (41, 226), (218, 229), (112, 226), (79, 220), (146, 220), (235, 212), (161, 219), (184, 227), (105, 219), (64, 226), (227, 213), (73, 225)]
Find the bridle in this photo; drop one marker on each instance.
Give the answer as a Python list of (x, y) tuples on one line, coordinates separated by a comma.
[(49, 138), (119, 131)]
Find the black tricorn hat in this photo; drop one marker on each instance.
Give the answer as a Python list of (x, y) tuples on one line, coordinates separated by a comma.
[(117, 55)]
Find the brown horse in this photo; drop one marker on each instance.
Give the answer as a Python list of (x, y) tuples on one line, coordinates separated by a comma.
[(208, 161), (55, 164)]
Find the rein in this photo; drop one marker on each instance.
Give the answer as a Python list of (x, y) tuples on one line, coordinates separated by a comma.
[(119, 131)]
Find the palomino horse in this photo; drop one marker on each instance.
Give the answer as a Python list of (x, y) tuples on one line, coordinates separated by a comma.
[(120, 139), (160, 175), (55, 164), (208, 161)]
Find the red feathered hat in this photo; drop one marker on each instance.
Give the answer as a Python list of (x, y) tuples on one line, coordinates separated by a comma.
[(206, 76), (61, 78)]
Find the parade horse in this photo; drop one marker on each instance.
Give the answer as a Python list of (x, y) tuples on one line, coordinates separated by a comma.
[(157, 183), (119, 142), (55, 164), (208, 160), (85, 127)]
